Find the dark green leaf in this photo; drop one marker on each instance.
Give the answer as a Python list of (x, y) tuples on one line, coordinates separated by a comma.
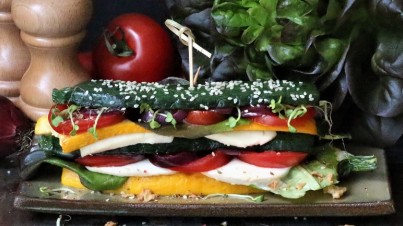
[(231, 18), (91, 180), (331, 50), (376, 131), (251, 33), (372, 91), (258, 72), (388, 58), (293, 10), (180, 9), (282, 54), (388, 13)]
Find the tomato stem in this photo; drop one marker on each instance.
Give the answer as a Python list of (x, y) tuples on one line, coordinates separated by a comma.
[(117, 47)]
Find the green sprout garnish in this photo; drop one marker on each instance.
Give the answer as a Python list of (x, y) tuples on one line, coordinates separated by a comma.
[(47, 191), (170, 119), (70, 110), (232, 122), (153, 123), (256, 199), (58, 117), (145, 107), (292, 114), (287, 112), (93, 129)]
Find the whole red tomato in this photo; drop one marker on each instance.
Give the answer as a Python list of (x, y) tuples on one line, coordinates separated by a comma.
[(134, 47)]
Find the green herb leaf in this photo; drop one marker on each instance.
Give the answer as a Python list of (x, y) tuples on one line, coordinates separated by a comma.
[(170, 119), (154, 124), (93, 129), (57, 120), (73, 132), (145, 107), (91, 180), (93, 132), (232, 122), (256, 199)]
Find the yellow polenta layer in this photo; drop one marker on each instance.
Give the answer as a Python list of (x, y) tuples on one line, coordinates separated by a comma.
[(176, 184)]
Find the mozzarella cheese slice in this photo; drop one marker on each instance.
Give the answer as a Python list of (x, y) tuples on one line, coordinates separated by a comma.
[(142, 168), (235, 172), (242, 173), (123, 141), (243, 139)]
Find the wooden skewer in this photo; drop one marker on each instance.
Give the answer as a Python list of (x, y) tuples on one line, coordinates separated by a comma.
[(182, 32), (187, 38)]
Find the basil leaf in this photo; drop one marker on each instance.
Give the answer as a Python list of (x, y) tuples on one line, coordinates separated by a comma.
[(91, 180)]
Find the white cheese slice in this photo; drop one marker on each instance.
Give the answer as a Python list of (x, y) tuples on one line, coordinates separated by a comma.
[(142, 168), (242, 173), (235, 172), (243, 139), (123, 141)]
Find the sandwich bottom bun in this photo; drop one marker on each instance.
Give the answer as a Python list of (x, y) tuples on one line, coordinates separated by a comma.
[(166, 185)]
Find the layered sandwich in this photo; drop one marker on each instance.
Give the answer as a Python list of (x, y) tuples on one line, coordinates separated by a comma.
[(232, 137)]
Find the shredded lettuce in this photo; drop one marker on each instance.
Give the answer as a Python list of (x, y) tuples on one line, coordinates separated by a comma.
[(319, 173)]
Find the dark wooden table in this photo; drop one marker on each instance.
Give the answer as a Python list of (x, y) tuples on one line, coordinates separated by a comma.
[(11, 216)]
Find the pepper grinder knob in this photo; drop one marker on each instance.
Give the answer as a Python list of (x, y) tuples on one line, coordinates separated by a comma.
[(52, 30)]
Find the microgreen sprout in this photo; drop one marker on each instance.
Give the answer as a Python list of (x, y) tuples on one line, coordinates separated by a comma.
[(287, 112), (93, 129), (70, 110), (153, 123), (58, 117), (170, 119), (50, 192), (293, 114), (256, 199), (60, 219), (232, 122), (145, 107)]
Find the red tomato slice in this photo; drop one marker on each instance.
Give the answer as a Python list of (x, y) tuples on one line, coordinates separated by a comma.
[(272, 159), (108, 160), (274, 120), (83, 119), (201, 117), (206, 163)]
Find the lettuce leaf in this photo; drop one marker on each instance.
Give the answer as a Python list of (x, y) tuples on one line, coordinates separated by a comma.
[(325, 170)]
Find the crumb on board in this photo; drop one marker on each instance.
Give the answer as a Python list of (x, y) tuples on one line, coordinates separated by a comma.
[(336, 191), (146, 196), (111, 223)]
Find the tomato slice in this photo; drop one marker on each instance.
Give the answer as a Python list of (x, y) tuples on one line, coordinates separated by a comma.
[(206, 163), (274, 120), (84, 119), (108, 160), (204, 117), (272, 159)]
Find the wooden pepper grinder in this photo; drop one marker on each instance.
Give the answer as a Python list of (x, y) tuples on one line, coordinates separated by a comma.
[(14, 55), (52, 30)]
